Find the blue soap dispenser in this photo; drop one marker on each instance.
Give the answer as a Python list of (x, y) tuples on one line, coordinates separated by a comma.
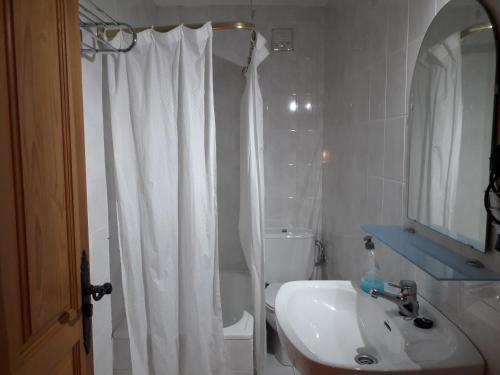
[(371, 278)]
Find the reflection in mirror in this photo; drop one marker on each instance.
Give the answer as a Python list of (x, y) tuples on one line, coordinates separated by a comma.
[(450, 123)]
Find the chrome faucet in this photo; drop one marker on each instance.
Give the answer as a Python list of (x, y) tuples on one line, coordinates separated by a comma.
[(406, 299)]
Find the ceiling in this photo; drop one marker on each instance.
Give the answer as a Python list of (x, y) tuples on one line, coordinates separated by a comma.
[(239, 2)]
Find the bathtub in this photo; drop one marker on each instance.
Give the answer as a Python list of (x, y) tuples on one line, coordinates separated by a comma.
[(236, 295)]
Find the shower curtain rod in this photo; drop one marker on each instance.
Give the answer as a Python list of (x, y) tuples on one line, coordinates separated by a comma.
[(216, 26)]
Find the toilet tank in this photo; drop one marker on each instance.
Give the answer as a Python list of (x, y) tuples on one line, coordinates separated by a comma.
[(288, 255)]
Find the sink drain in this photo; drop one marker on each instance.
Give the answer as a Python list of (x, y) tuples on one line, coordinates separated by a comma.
[(365, 359)]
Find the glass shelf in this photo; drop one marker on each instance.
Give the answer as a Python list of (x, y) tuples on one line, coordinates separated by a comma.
[(439, 262)]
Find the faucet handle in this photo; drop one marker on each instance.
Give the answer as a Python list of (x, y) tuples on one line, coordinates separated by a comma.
[(408, 286), (394, 285)]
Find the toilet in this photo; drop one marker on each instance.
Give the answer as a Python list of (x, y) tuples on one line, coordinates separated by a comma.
[(289, 256)]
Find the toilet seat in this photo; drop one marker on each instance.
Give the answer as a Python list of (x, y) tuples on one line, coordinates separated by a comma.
[(270, 294)]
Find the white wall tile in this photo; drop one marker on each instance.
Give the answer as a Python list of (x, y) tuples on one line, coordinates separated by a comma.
[(97, 204), (293, 139), (421, 14), (92, 89), (394, 148), (375, 148), (378, 80), (397, 24), (377, 28), (374, 198), (396, 83), (94, 151), (392, 210), (361, 96), (99, 256)]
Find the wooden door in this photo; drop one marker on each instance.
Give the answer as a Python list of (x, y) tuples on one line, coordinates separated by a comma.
[(43, 222)]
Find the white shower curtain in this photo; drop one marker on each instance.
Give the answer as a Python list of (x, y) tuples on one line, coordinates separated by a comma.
[(436, 126), (251, 221), (163, 132)]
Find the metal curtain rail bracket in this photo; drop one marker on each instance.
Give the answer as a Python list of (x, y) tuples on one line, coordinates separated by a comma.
[(94, 21)]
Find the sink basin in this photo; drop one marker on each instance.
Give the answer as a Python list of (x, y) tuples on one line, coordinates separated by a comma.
[(333, 327)]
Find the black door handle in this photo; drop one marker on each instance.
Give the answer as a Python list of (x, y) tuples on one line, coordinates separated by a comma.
[(97, 292)]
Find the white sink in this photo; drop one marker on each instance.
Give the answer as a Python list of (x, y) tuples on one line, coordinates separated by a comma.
[(324, 325)]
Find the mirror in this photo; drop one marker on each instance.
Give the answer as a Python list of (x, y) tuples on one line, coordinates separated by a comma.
[(450, 123)]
